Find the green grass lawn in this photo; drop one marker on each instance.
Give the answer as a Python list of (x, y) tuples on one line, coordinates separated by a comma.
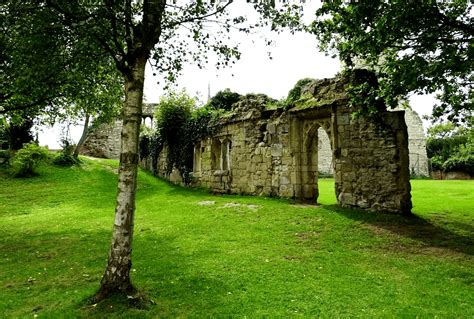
[(199, 255)]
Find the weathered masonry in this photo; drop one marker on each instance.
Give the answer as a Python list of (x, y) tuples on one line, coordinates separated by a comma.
[(104, 140), (275, 152)]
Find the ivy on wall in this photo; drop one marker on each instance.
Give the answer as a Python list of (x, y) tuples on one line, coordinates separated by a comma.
[(179, 124)]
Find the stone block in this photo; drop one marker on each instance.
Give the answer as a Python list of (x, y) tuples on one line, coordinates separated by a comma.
[(284, 180), (277, 150), (347, 198), (271, 128)]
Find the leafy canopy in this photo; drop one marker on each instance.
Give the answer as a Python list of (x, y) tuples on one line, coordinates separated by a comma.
[(414, 47), (49, 69)]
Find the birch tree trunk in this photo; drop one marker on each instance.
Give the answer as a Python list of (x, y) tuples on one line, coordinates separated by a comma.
[(117, 272)]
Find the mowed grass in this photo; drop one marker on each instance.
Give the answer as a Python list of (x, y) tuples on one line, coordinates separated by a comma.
[(200, 255)]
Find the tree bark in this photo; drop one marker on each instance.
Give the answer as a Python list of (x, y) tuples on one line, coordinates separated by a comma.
[(117, 272), (85, 131)]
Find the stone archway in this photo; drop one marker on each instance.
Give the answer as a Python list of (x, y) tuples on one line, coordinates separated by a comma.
[(310, 157)]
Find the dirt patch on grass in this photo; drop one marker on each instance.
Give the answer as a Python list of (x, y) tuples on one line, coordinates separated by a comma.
[(307, 235)]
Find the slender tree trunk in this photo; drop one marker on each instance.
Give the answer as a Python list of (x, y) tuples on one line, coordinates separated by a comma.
[(117, 272), (85, 131)]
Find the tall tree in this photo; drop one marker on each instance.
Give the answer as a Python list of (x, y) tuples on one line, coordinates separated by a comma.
[(131, 32), (414, 46)]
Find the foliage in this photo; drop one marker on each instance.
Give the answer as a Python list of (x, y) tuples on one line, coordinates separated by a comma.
[(255, 100), (446, 146), (437, 162), (5, 156), (65, 156), (144, 146), (179, 125), (451, 147), (413, 46), (27, 159), (460, 162), (298, 262), (223, 100), (20, 132), (295, 93), (70, 78), (4, 134)]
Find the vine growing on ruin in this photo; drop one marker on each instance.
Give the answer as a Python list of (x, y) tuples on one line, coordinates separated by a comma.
[(179, 125)]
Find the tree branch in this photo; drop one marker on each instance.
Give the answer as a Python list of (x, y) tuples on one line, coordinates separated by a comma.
[(192, 19)]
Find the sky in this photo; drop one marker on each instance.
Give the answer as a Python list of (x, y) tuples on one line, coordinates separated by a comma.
[(294, 56)]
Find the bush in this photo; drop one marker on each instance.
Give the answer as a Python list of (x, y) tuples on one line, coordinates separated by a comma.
[(179, 125), (295, 93), (144, 146), (223, 100), (437, 163), (5, 156), (463, 163), (65, 157), (27, 159)]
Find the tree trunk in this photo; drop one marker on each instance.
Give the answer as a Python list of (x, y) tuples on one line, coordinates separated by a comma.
[(117, 272), (83, 137)]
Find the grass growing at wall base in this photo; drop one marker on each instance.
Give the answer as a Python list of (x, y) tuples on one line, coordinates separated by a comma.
[(198, 255)]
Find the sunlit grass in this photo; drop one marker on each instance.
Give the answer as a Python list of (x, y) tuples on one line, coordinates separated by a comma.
[(199, 255)]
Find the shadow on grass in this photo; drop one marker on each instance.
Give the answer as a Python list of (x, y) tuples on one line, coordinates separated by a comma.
[(413, 227), (167, 277)]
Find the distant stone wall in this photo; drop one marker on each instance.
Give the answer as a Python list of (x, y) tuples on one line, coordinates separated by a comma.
[(277, 153), (103, 141), (419, 164)]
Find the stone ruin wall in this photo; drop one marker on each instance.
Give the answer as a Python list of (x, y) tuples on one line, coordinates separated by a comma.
[(279, 153), (103, 141), (419, 163), (275, 153)]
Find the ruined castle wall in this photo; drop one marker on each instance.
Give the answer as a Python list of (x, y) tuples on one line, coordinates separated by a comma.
[(372, 163), (419, 164), (277, 152), (247, 157), (103, 141)]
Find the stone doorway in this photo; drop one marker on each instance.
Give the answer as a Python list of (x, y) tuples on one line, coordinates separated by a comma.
[(314, 157)]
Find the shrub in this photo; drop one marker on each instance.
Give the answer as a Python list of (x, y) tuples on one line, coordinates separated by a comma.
[(27, 159), (144, 146), (5, 156), (66, 157), (179, 125), (223, 100), (463, 163), (295, 93), (437, 163)]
